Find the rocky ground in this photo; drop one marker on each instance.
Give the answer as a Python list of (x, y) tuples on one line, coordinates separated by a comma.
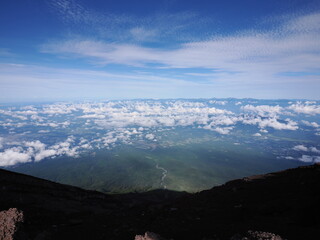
[(10, 224), (282, 205)]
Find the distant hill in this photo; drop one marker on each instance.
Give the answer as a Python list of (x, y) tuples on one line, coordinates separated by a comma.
[(285, 203)]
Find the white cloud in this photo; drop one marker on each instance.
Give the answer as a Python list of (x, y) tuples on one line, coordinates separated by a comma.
[(54, 109), (271, 122), (314, 149), (248, 60), (306, 149), (49, 83), (224, 131), (43, 131), (86, 146), (37, 145), (44, 154), (304, 23), (300, 148), (217, 53), (128, 121), (310, 124), (143, 34), (92, 116), (249, 56), (27, 151), (305, 108), (27, 112), (37, 118), (150, 136), (12, 156), (310, 159), (218, 102), (155, 114), (257, 135), (263, 110), (13, 114), (125, 27)]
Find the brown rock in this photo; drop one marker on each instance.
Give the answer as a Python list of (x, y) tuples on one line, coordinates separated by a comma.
[(9, 223), (148, 236)]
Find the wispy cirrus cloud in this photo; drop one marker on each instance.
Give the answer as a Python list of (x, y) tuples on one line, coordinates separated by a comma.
[(181, 50), (290, 47), (38, 83), (153, 27)]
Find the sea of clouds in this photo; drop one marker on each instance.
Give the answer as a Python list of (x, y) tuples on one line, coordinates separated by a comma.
[(89, 125)]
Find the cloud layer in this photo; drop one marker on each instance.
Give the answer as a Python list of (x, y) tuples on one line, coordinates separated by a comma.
[(94, 125), (127, 56), (288, 52)]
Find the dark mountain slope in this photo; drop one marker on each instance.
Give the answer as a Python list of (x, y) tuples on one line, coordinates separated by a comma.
[(285, 203)]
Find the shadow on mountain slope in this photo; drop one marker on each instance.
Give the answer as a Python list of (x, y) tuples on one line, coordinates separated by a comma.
[(285, 203)]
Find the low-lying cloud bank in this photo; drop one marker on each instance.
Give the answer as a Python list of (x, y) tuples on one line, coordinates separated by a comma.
[(138, 120), (36, 150)]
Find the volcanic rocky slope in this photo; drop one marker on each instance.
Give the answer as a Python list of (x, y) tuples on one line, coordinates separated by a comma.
[(285, 203)]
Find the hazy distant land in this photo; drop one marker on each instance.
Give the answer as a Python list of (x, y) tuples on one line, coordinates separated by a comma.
[(139, 145)]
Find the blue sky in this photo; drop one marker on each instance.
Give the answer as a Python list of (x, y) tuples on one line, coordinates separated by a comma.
[(78, 50)]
